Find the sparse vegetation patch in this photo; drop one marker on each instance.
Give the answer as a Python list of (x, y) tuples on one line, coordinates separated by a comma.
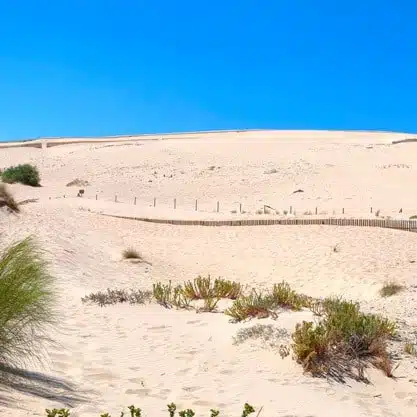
[(390, 288), (115, 296), (7, 200)]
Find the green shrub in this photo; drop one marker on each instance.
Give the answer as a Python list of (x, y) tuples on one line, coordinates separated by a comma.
[(26, 302), (6, 199), (169, 296), (25, 174), (202, 288), (285, 297), (253, 305), (343, 337)]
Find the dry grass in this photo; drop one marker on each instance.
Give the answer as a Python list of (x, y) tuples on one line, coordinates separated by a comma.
[(390, 288), (267, 333), (131, 253), (110, 297), (410, 348), (7, 200)]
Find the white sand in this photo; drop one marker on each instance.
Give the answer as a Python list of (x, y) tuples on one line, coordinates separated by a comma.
[(148, 356)]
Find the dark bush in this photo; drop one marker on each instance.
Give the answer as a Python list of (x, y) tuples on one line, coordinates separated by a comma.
[(25, 174)]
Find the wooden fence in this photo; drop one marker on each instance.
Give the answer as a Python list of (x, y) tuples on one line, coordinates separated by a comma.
[(408, 225)]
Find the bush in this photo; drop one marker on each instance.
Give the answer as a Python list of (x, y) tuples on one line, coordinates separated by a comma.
[(253, 305), (390, 288), (344, 337), (26, 302), (6, 199), (285, 297), (25, 174), (169, 296), (118, 296), (203, 288)]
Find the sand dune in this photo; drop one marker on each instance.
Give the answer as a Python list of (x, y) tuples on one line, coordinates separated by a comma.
[(111, 357)]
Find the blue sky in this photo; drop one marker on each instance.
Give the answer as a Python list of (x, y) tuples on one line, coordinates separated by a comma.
[(97, 67)]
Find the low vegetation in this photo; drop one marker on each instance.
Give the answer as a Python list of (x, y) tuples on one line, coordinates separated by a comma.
[(410, 348), (345, 338), (131, 253), (26, 302), (110, 297), (137, 412), (268, 333), (7, 200), (25, 174), (390, 288)]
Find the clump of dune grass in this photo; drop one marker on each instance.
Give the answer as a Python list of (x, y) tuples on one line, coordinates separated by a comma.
[(202, 288), (26, 174), (26, 303), (255, 304), (131, 253), (284, 296), (170, 296), (345, 339), (390, 288), (7, 200), (116, 296)]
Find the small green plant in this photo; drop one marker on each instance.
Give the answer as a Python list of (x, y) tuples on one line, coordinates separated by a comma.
[(61, 412), (413, 217), (110, 297), (253, 305), (199, 289), (410, 348), (186, 413), (25, 174), (131, 254), (390, 288), (171, 409), (227, 289), (285, 297), (210, 304), (6, 199), (247, 410), (169, 296), (135, 412)]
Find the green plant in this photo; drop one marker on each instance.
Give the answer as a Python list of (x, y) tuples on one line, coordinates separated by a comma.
[(116, 296), (283, 296), (135, 412), (169, 296), (227, 289), (55, 412), (6, 199), (414, 217), (247, 409), (25, 174), (344, 335), (410, 348), (26, 302), (131, 254), (390, 288), (210, 304), (253, 305), (203, 288)]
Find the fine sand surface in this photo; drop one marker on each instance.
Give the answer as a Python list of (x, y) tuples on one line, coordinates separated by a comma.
[(112, 357)]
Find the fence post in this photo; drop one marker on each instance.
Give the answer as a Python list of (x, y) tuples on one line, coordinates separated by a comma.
[(316, 211), (96, 196), (135, 202), (371, 209), (154, 201), (240, 207), (196, 205), (175, 203), (218, 207), (290, 209), (115, 198), (343, 210)]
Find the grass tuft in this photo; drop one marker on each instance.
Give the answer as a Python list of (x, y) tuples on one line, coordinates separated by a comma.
[(169, 296), (390, 288), (26, 303), (253, 305), (25, 174), (131, 254), (6, 199)]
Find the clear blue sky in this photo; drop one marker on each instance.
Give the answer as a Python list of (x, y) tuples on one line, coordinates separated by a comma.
[(97, 67)]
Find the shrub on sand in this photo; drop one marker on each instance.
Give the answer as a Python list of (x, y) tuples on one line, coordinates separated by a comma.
[(169, 296), (131, 254), (202, 288), (25, 174), (343, 339), (26, 302), (285, 297), (390, 288), (6, 199), (109, 297)]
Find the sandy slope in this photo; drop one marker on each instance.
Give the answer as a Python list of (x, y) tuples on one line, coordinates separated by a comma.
[(113, 357)]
